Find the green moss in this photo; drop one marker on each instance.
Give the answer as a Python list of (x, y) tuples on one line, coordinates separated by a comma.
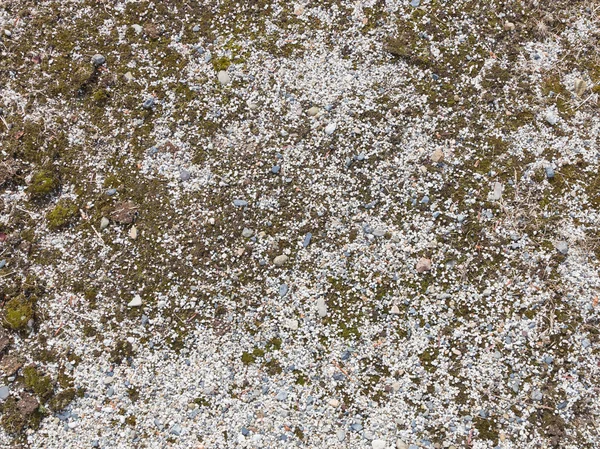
[(17, 312), (248, 358), (64, 213), (122, 350), (43, 184), (40, 384), (61, 400), (427, 358), (221, 63), (487, 428), (272, 367)]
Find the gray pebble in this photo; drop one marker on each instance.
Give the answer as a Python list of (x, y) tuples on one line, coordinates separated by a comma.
[(307, 238), (282, 395), (562, 405), (283, 289), (247, 233), (223, 77), (110, 392), (586, 343), (196, 28), (2, 263), (144, 320), (148, 104), (4, 392), (240, 203), (549, 172), (537, 395), (176, 430), (562, 247), (415, 3), (245, 432), (341, 435), (275, 169), (280, 260), (111, 192), (184, 175), (425, 200), (98, 60), (551, 118), (548, 360)]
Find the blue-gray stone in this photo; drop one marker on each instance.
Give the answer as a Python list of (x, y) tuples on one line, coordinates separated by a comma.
[(435, 77), (283, 437), (361, 157), (240, 203), (176, 430), (245, 432), (4, 392), (586, 343), (425, 200), (111, 192), (184, 175), (144, 320), (110, 392), (149, 103), (275, 169), (436, 214), (193, 413), (207, 56), (283, 289), (152, 151), (415, 3), (2, 263), (345, 355), (95, 443), (461, 218), (357, 427), (307, 238), (549, 172), (282, 395), (196, 28), (98, 60), (562, 405), (338, 376)]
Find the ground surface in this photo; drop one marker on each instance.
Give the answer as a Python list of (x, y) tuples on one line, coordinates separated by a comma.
[(312, 224)]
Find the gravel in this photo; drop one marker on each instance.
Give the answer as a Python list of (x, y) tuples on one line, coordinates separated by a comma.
[(311, 224)]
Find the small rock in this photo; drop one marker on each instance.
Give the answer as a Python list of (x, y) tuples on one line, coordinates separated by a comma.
[(135, 302), (104, 223), (148, 104), (423, 265), (223, 77), (292, 324), (321, 307), (247, 233), (133, 233), (280, 260), (98, 60), (509, 26), (111, 192), (2, 263), (586, 343), (437, 156), (176, 430), (184, 175), (379, 444), (313, 111), (334, 402), (8, 33), (537, 395), (196, 28), (240, 203), (496, 193), (275, 169), (245, 432), (330, 129), (551, 118), (306, 240), (395, 310), (110, 392), (137, 28), (401, 444), (580, 87), (4, 392), (282, 395), (341, 435), (283, 289), (549, 172), (562, 247)]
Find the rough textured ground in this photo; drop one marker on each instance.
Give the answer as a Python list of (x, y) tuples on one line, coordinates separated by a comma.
[(315, 224)]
